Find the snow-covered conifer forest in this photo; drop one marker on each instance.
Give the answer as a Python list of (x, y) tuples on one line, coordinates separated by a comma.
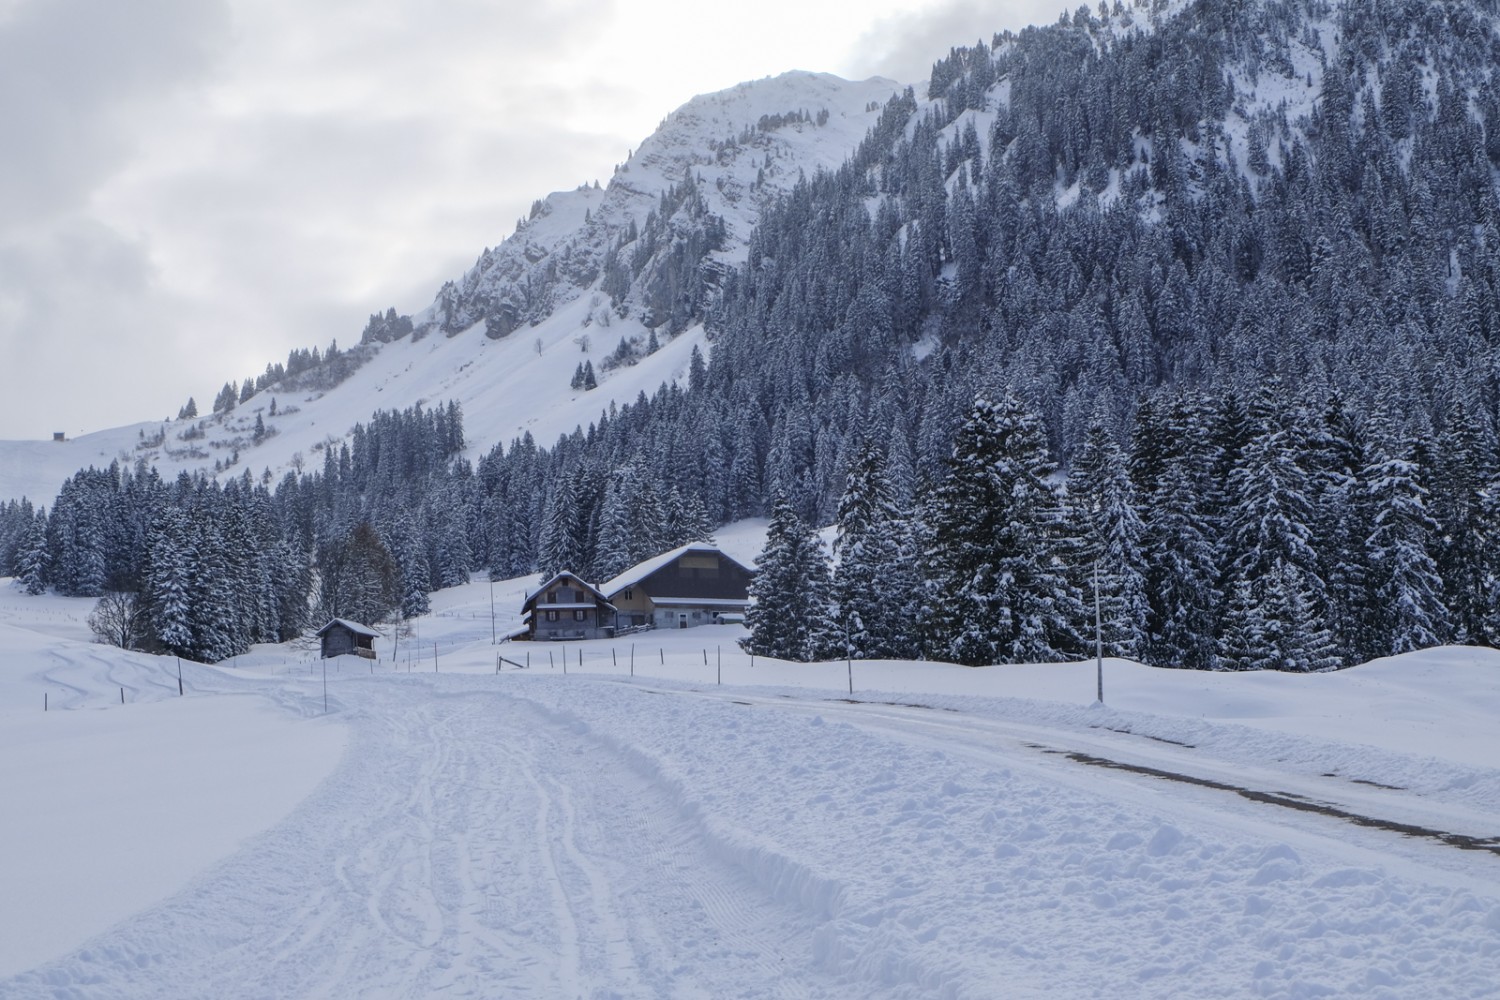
[(1251, 247), (1169, 331)]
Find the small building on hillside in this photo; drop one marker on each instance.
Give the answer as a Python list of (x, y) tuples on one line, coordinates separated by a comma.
[(694, 584), (565, 607), (345, 638)]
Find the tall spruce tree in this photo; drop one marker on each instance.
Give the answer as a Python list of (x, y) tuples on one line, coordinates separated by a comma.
[(171, 553), (1102, 507), (790, 614), (1271, 560), (997, 590), (33, 555), (875, 582), (1408, 593)]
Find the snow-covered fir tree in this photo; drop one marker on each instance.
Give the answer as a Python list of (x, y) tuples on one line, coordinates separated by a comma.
[(1102, 506), (996, 590), (1408, 612), (32, 569), (875, 582), (790, 615)]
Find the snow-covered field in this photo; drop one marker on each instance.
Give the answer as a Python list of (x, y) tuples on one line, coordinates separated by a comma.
[(445, 830)]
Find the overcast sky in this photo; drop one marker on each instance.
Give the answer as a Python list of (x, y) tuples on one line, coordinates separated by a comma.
[(190, 188)]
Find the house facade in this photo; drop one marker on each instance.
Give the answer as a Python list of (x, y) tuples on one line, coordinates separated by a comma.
[(695, 584), (565, 607), (341, 637)]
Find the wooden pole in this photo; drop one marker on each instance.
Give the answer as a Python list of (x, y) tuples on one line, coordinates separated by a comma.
[(44, 701), (122, 696), (325, 686), (1098, 637), (179, 677), (850, 663), (434, 658)]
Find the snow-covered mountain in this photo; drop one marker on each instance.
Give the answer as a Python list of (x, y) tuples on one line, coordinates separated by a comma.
[(504, 339)]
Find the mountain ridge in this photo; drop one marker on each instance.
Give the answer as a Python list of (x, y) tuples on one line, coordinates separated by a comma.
[(555, 249)]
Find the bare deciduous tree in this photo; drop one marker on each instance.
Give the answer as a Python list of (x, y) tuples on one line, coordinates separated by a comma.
[(119, 619)]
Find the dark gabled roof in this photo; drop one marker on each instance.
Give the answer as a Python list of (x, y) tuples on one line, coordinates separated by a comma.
[(531, 597), (354, 627), (635, 574)]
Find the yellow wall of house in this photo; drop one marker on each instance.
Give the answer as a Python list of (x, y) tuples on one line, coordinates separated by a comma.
[(637, 602)]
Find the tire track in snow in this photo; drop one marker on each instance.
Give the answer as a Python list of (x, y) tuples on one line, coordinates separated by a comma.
[(999, 743), (469, 844)]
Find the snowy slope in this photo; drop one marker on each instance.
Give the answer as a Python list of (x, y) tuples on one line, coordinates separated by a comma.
[(945, 831), (518, 382)]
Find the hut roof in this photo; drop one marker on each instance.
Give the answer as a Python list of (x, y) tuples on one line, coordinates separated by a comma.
[(354, 627)]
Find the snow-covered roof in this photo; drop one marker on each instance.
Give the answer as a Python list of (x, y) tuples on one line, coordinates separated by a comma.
[(354, 627), (531, 597), (640, 571)]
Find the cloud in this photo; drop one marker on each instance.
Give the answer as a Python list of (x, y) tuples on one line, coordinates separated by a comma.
[(72, 295), (79, 79), (904, 45), (72, 75)]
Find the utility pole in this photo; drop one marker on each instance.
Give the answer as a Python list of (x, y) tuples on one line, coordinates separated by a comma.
[(1098, 636)]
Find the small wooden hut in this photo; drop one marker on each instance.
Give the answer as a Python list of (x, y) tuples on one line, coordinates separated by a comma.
[(346, 638)]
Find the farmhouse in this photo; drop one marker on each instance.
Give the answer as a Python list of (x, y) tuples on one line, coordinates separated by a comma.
[(565, 607), (346, 638), (695, 584)]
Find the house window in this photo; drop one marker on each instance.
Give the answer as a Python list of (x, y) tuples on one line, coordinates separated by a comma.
[(552, 597), (578, 615), (629, 594), (552, 616)]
